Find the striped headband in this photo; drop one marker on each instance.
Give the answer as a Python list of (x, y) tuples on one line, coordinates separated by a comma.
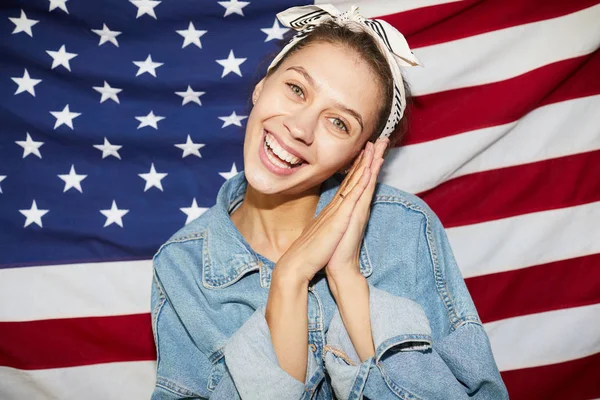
[(392, 44)]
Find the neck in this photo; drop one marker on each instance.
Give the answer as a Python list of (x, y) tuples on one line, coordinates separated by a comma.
[(270, 223)]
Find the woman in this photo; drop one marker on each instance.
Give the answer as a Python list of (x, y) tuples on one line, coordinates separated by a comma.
[(297, 286)]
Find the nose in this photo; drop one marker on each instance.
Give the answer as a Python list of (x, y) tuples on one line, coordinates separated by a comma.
[(301, 125)]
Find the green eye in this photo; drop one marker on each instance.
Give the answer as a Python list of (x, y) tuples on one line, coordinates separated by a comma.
[(341, 125), (298, 92)]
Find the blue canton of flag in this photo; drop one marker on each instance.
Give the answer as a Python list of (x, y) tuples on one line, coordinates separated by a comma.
[(121, 120)]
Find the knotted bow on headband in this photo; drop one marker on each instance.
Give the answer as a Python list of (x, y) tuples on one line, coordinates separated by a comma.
[(391, 43)]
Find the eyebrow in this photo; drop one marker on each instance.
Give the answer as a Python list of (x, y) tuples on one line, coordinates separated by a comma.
[(312, 82)]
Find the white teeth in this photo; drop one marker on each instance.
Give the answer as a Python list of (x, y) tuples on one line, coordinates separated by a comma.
[(273, 158), (280, 151)]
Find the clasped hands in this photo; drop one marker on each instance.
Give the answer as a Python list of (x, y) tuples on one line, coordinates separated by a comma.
[(333, 239), (344, 262)]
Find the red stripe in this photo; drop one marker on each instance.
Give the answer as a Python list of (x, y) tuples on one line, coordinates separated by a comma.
[(451, 21), (573, 380), (447, 113), (554, 286), (69, 342), (521, 189)]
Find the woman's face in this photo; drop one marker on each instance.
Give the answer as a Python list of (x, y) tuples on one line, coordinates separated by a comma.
[(321, 104)]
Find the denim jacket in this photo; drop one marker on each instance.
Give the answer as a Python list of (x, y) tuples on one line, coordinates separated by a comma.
[(210, 290)]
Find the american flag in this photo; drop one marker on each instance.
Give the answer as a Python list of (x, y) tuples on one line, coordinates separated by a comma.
[(120, 120)]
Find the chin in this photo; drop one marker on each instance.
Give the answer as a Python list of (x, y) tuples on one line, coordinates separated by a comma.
[(260, 181)]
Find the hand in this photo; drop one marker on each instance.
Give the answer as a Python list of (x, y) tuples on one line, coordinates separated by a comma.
[(345, 259), (313, 249)]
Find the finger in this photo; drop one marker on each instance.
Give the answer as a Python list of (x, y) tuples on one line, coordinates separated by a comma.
[(376, 162), (357, 172), (380, 147), (341, 213), (364, 203), (351, 171), (354, 173), (352, 197)]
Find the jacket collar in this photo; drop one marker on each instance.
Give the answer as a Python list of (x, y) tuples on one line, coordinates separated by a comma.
[(227, 257)]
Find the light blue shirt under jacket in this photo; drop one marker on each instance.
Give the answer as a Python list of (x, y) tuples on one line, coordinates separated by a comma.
[(210, 290)]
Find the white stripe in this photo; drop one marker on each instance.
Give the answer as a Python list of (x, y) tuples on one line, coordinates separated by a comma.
[(75, 290), (545, 338), (378, 8), (545, 133), (127, 380), (526, 240), (506, 53)]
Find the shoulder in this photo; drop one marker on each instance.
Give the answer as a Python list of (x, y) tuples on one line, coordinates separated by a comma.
[(399, 215), (399, 231), (393, 202), (195, 230), (185, 243)]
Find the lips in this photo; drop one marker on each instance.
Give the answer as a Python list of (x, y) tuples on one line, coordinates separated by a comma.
[(273, 163), (288, 154)]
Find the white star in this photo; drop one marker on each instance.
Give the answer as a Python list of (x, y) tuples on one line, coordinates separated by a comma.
[(228, 175), (62, 4), (114, 215), (189, 147), (26, 83), (233, 119), (2, 177), (61, 57), (108, 149), (149, 120), (30, 146), (34, 215), (148, 66), (153, 178), (23, 24), (190, 96), (233, 7), (231, 64), (106, 35), (64, 117), (72, 180), (193, 212), (108, 92), (275, 32), (145, 7), (191, 36)]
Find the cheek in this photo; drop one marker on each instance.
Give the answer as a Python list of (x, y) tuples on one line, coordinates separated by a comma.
[(331, 154)]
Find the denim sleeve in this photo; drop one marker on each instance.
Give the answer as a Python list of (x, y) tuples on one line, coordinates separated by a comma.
[(252, 361), (246, 368), (408, 363)]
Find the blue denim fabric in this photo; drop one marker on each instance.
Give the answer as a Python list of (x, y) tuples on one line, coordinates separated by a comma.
[(209, 294)]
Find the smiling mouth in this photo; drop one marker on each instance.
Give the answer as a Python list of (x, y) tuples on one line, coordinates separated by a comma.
[(277, 155)]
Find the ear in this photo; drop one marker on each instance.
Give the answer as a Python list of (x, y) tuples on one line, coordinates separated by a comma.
[(348, 164), (346, 167), (257, 90)]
